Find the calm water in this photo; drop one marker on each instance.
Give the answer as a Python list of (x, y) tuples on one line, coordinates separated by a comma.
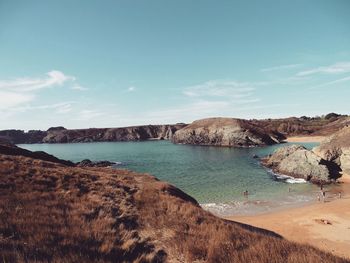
[(215, 176)]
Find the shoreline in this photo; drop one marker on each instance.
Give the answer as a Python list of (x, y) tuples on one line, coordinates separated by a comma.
[(325, 225), (305, 139)]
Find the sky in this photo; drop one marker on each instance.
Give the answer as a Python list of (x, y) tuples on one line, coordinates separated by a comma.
[(82, 64)]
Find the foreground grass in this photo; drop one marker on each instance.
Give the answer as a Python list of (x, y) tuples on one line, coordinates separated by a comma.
[(54, 213)]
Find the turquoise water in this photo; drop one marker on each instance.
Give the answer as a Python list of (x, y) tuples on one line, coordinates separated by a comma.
[(215, 176)]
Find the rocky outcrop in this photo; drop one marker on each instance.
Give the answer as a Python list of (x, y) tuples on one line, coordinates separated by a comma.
[(10, 149), (226, 132), (336, 148), (63, 135), (303, 126), (298, 162), (89, 163), (19, 136)]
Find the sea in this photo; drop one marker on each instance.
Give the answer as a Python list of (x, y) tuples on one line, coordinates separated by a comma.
[(215, 176)]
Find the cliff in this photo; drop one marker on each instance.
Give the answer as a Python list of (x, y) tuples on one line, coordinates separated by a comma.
[(315, 126), (226, 132), (336, 148), (276, 129), (62, 135), (51, 212)]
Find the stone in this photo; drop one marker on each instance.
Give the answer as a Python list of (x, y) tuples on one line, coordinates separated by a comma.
[(298, 162)]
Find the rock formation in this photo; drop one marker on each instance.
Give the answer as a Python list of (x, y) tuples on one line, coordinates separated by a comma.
[(298, 162), (89, 163), (62, 135), (336, 148), (226, 132)]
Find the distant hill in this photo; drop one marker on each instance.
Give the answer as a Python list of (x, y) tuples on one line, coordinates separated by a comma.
[(275, 129)]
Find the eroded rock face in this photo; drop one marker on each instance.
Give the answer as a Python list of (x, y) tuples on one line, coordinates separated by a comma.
[(63, 135), (225, 132), (299, 162), (336, 148)]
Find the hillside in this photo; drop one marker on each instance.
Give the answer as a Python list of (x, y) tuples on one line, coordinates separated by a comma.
[(62, 135), (274, 128), (55, 213), (226, 132)]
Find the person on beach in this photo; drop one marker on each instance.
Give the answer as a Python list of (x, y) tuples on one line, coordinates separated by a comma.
[(319, 197), (324, 195), (339, 195), (245, 193)]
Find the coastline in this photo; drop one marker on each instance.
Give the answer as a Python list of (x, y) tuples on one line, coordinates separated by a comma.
[(305, 139), (325, 225)]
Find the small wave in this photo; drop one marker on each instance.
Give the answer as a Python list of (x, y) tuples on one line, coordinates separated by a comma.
[(287, 178)]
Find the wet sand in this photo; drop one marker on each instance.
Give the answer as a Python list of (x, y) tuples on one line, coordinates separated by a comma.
[(325, 225)]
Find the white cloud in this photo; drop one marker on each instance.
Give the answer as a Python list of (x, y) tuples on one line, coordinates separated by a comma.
[(62, 107), (332, 82), (281, 67), (54, 78), (85, 115), (12, 99), (131, 89), (337, 68), (78, 87), (17, 92), (195, 110), (219, 88)]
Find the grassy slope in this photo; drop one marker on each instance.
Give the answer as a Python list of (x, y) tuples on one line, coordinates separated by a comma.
[(51, 212)]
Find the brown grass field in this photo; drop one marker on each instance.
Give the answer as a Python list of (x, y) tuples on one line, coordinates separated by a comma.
[(54, 213)]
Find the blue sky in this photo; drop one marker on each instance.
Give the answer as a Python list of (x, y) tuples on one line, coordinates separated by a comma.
[(118, 63)]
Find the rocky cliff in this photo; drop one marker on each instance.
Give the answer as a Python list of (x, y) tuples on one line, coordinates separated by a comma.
[(51, 212), (226, 132), (336, 148), (298, 162), (62, 135), (303, 126)]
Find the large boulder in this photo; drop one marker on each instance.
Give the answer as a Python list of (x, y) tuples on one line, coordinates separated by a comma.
[(225, 132), (336, 148), (299, 162)]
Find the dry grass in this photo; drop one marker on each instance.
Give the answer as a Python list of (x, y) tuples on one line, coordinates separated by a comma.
[(54, 213)]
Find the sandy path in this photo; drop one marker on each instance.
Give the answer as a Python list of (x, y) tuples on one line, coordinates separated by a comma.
[(305, 139), (323, 225)]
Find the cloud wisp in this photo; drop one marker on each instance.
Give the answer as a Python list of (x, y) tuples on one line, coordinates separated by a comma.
[(54, 78), (281, 67), (216, 88), (337, 68), (16, 92)]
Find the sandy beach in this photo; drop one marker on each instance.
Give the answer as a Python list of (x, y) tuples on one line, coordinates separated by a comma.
[(305, 139), (325, 225)]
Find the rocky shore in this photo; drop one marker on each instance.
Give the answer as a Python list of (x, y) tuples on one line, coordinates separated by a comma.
[(323, 164), (336, 148), (298, 162)]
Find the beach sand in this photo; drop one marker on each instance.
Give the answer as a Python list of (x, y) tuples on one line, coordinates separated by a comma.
[(305, 139), (325, 225)]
